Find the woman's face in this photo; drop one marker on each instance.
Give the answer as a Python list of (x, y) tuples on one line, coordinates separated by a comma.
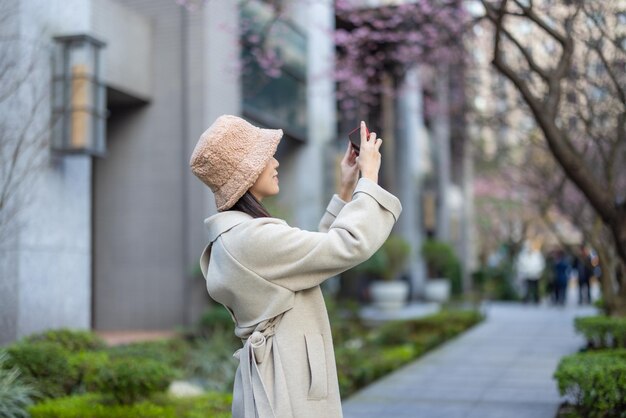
[(267, 183)]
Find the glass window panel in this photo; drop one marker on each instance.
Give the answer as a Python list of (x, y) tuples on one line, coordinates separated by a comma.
[(80, 58), (277, 101), (58, 61), (281, 100), (58, 94)]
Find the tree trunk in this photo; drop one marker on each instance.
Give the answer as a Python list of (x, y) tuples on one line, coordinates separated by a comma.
[(545, 109), (613, 288)]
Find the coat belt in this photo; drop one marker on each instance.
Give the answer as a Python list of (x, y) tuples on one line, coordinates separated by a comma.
[(256, 399)]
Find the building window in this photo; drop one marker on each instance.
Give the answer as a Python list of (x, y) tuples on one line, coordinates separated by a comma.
[(278, 100)]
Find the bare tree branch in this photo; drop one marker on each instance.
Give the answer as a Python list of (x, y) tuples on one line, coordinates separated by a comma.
[(530, 13)]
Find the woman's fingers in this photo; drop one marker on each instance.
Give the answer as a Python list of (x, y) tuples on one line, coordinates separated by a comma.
[(350, 155), (363, 133), (379, 142), (348, 149)]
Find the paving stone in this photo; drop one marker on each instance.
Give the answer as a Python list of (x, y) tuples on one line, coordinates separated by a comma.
[(512, 410)]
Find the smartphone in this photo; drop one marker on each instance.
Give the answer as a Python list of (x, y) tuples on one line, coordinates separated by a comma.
[(355, 138)]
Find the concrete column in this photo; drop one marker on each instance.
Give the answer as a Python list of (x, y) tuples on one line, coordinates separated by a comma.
[(410, 133), (319, 20), (389, 152), (469, 244), (442, 149)]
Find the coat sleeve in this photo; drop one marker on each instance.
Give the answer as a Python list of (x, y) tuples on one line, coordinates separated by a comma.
[(332, 210), (297, 259)]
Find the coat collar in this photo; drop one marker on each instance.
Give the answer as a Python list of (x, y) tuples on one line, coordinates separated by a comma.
[(223, 221)]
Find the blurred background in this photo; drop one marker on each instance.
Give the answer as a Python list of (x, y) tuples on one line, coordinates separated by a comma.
[(504, 138)]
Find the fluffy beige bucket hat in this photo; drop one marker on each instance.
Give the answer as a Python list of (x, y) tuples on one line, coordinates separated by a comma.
[(230, 155)]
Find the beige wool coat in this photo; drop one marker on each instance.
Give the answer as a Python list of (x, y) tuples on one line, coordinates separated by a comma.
[(268, 275)]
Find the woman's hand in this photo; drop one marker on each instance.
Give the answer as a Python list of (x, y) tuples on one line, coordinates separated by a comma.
[(349, 174), (369, 155)]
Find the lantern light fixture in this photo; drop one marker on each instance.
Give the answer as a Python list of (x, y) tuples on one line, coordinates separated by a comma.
[(78, 96)]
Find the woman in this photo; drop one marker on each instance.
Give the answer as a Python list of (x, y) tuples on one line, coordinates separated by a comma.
[(267, 274)]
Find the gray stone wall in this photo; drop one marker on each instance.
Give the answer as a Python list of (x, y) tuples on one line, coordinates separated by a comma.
[(48, 259), (138, 205)]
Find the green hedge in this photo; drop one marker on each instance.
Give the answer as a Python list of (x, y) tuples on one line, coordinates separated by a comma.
[(128, 380), (496, 282), (56, 362), (46, 366), (442, 261), (92, 405), (64, 362), (369, 355), (173, 352), (596, 382), (602, 331), (70, 339)]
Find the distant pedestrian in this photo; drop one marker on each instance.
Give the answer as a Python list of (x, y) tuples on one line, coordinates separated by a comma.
[(561, 269), (530, 266), (584, 268)]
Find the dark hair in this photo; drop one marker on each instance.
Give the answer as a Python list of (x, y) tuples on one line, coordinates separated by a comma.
[(250, 205)]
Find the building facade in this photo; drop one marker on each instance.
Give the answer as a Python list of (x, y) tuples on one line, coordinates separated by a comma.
[(113, 242)]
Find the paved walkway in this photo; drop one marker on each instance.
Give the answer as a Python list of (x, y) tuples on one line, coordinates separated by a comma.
[(500, 369)]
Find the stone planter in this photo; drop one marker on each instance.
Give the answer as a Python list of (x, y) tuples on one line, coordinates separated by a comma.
[(437, 290), (389, 296)]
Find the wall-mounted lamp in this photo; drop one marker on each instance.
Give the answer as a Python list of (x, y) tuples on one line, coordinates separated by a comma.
[(78, 96)]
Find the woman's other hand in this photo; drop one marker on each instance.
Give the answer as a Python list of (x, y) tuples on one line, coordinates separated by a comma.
[(369, 156), (349, 174)]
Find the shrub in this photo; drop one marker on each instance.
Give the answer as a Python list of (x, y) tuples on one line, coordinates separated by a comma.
[(173, 352), (44, 365), (215, 405), (496, 282), (601, 305), (89, 406), (215, 319), (442, 262), (389, 260), (596, 381), (128, 380), (72, 340), (344, 319), (15, 396), (393, 357), (375, 266), (602, 331), (87, 365), (211, 404), (433, 328), (211, 361), (53, 370)]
